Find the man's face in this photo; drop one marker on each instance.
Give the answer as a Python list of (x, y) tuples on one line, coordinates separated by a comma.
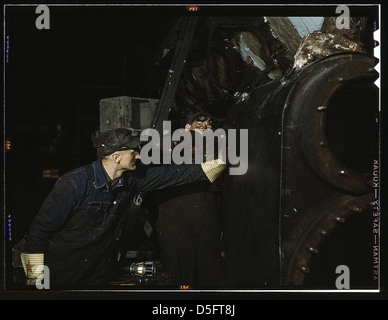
[(200, 123), (128, 159)]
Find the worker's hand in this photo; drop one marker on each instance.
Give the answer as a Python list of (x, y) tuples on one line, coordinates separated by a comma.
[(32, 264), (213, 169)]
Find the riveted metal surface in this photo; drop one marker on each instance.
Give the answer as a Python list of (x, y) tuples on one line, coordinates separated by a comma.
[(306, 121), (298, 188), (328, 217)]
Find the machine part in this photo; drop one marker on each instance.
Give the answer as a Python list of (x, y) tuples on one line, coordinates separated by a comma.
[(333, 122), (330, 40), (228, 56), (143, 269), (173, 77), (329, 217), (300, 132), (126, 112), (330, 139), (318, 44)]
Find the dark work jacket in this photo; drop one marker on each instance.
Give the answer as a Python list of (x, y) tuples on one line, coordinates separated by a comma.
[(76, 224)]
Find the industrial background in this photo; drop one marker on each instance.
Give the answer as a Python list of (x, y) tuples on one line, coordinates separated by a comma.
[(304, 89)]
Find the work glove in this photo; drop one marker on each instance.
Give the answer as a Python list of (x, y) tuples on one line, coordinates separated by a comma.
[(32, 264), (213, 169)]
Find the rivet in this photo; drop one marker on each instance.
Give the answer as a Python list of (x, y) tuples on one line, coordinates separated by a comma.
[(304, 269), (355, 209), (324, 233), (341, 79), (312, 250), (340, 219), (322, 108), (343, 173), (323, 144)]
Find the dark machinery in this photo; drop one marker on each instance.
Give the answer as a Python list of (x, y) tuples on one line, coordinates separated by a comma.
[(305, 205), (313, 140)]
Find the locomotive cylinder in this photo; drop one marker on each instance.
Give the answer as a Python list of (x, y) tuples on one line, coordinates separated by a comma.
[(313, 140)]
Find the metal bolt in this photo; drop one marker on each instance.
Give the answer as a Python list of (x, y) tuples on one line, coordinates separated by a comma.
[(323, 144), (312, 250), (244, 96), (355, 209), (340, 219), (322, 108), (304, 269)]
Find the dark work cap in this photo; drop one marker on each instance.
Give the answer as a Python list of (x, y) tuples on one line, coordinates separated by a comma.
[(194, 116), (116, 140)]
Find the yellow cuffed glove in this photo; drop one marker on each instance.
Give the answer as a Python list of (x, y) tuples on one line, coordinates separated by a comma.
[(32, 263), (213, 169)]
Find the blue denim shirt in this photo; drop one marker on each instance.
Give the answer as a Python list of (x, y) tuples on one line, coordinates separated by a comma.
[(76, 224)]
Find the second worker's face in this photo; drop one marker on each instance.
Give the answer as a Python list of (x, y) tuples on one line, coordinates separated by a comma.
[(201, 123)]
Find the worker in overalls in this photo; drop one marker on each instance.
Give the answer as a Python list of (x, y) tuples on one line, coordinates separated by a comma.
[(76, 225)]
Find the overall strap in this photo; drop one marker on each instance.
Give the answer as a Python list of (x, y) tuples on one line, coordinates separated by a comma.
[(90, 172), (85, 201)]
